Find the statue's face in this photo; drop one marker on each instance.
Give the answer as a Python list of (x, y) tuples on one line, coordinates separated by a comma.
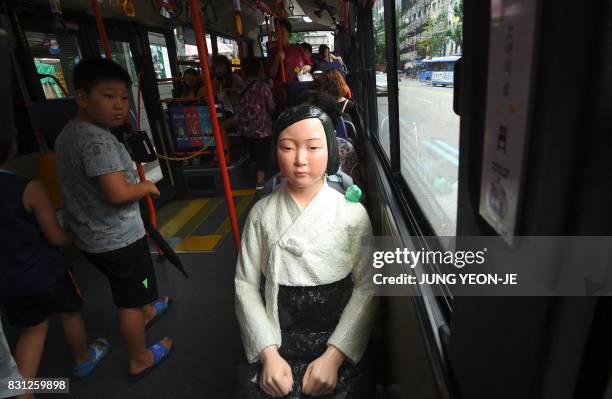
[(302, 153)]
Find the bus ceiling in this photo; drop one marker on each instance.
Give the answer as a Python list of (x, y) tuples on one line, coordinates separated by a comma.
[(304, 15)]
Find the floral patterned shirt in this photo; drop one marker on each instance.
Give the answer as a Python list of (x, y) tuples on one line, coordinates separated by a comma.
[(256, 106)]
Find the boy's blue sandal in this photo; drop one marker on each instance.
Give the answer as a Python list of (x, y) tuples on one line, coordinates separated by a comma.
[(98, 349), (161, 307), (160, 353)]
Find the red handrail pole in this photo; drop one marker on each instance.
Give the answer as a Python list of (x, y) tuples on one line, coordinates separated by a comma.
[(280, 48), (203, 54), (139, 168), (101, 30)]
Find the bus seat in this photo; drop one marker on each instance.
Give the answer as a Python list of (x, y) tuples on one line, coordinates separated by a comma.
[(46, 173), (50, 116), (349, 160)]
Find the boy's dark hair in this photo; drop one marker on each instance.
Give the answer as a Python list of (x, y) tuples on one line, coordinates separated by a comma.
[(307, 47), (284, 22), (323, 47), (92, 71), (325, 101), (251, 66), (6, 144)]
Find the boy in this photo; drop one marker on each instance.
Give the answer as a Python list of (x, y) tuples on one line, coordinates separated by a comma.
[(35, 281), (101, 193)]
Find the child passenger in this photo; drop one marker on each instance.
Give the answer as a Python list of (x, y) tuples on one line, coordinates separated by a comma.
[(302, 288), (35, 281), (101, 193), (255, 120)]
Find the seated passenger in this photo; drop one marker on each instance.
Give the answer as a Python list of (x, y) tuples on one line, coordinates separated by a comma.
[(308, 48), (193, 87), (349, 161), (255, 122), (36, 282), (333, 83), (302, 282), (324, 57), (101, 191)]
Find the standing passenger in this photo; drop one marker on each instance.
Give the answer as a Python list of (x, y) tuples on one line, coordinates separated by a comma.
[(101, 193), (255, 121), (294, 57), (35, 281)]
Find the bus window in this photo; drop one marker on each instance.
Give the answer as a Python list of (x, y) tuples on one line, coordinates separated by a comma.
[(382, 94), (161, 64), (55, 55), (187, 49), (429, 129), (227, 47)]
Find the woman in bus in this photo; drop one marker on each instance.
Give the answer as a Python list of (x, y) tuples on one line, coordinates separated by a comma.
[(192, 84), (304, 298), (228, 86), (325, 57), (332, 82)]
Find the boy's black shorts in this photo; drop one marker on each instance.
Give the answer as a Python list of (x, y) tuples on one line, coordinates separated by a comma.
[(30, 310), (130, 273)]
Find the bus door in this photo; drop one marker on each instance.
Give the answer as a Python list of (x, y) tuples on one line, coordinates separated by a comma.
[(145, 60)]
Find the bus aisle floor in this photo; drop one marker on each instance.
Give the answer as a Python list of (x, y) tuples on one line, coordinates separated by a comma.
[(201, 321)]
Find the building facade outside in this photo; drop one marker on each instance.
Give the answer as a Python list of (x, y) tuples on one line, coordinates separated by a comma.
[(425, 30), (317, 38)]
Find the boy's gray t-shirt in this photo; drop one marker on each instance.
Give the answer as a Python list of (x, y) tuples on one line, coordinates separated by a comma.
[(85, 151)]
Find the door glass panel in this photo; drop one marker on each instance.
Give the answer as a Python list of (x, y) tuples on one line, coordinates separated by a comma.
[(121, 54), (161, 64), (380, 60), (429, 45), (55, 56)]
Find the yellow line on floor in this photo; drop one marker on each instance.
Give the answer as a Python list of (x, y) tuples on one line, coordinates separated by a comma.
[(209, 242), (198, 243), (177, 222), (243, 193), (198, 219), (241, 207)]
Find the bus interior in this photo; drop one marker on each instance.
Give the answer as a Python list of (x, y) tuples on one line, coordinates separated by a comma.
[(442, 87)]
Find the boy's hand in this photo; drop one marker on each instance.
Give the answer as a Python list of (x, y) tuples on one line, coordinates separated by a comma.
[(151, 188), (276, 378)]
